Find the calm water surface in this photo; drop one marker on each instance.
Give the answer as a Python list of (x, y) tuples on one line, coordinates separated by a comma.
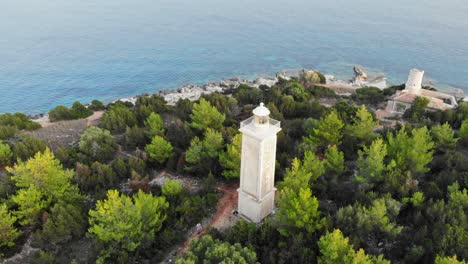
[(56, 52)]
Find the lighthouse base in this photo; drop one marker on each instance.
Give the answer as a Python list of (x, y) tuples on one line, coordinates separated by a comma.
[(255, 210)]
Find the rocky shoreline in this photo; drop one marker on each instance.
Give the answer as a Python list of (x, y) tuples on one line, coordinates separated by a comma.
[(193, 92)]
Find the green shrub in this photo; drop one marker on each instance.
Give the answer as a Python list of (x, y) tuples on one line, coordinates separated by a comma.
[(27, 147), (96, 105), (18, 120), (322, 92), (7, 132), (5, 154), (297, 91), (145, 105), (117, 118), (248, 95), (416, 112), (77, 111), (97, 144), (369, 95), (393, 89), (134, 137)]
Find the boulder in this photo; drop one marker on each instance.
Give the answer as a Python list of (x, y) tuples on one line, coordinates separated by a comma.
[(359, 73), (265, 81), (212, 88)]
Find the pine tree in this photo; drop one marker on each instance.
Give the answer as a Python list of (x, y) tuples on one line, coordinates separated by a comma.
[(204, 116), (411, 153), (371, 164), (159, 149), (155, 125), (335, 248), (298, 209), (230, 159), (327, 132), (363, 126), (444, 138), (334, 160), (5, 154), (123, 223), (42, 182), (8, 231), (202, 155), (208, 250)]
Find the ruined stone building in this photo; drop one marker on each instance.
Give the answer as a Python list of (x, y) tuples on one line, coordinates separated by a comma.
[(403, 100)]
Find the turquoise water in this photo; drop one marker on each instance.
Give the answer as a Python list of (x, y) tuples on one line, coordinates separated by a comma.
[(55, 52)]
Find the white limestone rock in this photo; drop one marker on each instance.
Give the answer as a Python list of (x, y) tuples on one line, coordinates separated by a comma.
[(212, 88), (359, 73), (265, 81)]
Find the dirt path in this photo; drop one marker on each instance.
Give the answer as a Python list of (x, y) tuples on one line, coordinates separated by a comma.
[(91, 120), (94, 119), (223, 218)]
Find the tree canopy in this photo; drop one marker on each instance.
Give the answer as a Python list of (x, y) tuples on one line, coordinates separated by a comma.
[(378, 219), (202, 155), (327, 131), (371, 164), (363, 125), (208, 250), (118, 117), (204, 116), (298, 210), (159, 149), (6, 154), (348, 190), (97, 143), (123, 222), (8, 231), (155, 125), (230, 160), (41, 181), (335, 248)]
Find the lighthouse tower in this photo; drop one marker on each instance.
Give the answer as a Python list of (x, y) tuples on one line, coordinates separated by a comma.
[(414, 83), (257, 173)]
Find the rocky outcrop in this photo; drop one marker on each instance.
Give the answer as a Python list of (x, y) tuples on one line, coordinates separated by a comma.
[(191, 92), (194, 92), (265, 81), (307, 76), (359, 73), (362, 79), (288, 74)]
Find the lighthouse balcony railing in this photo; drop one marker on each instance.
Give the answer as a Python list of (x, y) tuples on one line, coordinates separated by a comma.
[(271, 121)]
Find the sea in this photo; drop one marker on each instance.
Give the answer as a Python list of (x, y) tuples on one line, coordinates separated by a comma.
[(55, 52)]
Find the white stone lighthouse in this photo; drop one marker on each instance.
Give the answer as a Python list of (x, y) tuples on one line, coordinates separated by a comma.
[(257, 173), (414, 83)]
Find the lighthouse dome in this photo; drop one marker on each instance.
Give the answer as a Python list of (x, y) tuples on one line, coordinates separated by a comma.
[(261, 110)]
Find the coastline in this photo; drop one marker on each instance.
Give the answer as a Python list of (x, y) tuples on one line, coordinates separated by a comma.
[(194, 91)]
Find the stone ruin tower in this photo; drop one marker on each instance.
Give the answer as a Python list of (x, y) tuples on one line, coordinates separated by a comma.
[(257, 172), (414, 83)]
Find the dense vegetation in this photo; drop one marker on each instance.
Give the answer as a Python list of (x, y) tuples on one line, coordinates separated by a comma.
[(76, 111), (350, 189)]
